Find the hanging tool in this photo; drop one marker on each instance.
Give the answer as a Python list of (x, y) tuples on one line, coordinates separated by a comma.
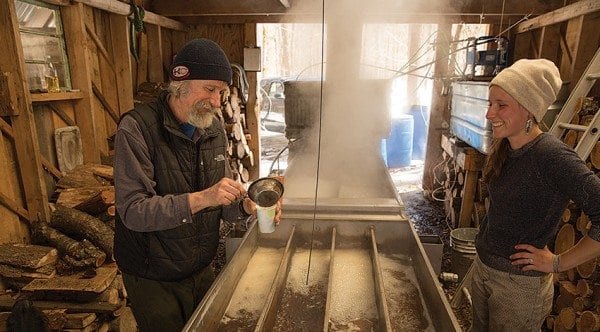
[(136, 17), (562, 121)]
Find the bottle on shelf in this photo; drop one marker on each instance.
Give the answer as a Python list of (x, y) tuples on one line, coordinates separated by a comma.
[(52, 78)]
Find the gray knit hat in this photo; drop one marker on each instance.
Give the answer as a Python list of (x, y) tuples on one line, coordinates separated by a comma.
[(533, 83), (201, 59)]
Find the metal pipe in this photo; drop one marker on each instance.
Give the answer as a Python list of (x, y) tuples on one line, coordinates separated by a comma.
[(384, 314)]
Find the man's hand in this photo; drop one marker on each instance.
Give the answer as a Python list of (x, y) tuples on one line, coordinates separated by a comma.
[(250, 208), (224, 192)]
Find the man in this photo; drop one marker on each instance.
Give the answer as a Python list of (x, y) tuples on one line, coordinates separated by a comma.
[(173, 186)]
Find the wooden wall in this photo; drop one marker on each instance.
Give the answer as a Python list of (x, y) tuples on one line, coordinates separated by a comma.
[(104, 77), (568, 36)]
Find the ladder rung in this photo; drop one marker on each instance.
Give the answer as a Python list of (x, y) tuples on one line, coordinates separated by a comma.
[(572, 126), (594, 76)]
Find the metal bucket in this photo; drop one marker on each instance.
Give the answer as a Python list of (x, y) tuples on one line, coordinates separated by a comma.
[(462, 241)]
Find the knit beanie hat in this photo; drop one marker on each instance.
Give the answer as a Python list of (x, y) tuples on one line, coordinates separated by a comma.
[(533, 83), (201, 59)]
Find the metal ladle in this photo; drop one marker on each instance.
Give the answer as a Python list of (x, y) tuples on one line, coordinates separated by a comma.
[(266, 191)]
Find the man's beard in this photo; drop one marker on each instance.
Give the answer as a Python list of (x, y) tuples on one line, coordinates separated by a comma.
[(202, 115)]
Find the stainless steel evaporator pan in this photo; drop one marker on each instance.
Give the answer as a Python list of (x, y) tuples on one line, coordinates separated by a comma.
[(368, 271)]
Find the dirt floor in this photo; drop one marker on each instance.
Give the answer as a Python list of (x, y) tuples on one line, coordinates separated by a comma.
[(427, 215)]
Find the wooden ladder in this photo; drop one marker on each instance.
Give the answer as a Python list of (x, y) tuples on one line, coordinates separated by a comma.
[(563, 119)]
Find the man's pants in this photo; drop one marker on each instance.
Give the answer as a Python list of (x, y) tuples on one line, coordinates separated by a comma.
[(166, 306), (509, 302)]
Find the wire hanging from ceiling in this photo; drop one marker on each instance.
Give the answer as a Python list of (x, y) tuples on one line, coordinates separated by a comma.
[(319, 138)]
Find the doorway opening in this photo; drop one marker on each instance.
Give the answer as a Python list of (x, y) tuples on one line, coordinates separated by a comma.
[(401, 54)]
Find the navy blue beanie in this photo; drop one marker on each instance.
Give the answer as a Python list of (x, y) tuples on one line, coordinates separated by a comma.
[(201, 59)]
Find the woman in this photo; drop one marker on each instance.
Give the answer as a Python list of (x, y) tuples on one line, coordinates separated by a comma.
[(531, 176)]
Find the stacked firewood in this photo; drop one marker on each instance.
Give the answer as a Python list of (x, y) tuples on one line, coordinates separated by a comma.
[(241, 158), (577, 301), (81, 227), (452, 190), (80, 302), (68, 273), (453, 184)]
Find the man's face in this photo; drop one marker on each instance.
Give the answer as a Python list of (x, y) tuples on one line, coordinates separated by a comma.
[(203, 101)]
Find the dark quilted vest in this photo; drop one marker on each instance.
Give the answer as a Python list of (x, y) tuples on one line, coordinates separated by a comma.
[(180, 166)]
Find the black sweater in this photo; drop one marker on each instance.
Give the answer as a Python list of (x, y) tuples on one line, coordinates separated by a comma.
[(529, 197)]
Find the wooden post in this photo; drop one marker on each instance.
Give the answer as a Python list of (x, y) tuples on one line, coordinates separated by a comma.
[(569, 44), (439, 107), (155, 57), (23, 125), (251, 107), (119, 27), (77, 49)]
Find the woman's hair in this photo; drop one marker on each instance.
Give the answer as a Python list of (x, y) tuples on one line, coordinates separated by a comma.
[(495, 160)]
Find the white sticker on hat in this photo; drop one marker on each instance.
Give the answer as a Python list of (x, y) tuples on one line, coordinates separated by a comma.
[(180, 71)]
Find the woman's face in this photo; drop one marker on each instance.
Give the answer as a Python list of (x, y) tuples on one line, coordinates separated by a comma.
[(507, 116)]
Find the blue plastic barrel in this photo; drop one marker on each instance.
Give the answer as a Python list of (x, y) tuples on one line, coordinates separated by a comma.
[(420, 115), (400, 142)]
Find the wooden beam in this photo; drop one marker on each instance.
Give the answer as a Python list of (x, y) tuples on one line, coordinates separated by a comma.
[(58, 2), (119, 31), (55, 172), (62, 114), (265, 8), (550, 46), (105, 103), (117, 7), (439, 108), (142, 64), (6, 129), (14, 206), (81, 77), (7, 95), (13, 228), (566, 13), (99, 45), (156, 72), (251, 107), (570, 48), (23, 125), (315, 17)]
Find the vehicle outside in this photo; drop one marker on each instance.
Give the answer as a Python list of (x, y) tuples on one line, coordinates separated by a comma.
[(272, 111)]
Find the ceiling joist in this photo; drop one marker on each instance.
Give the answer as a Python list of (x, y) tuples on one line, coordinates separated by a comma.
[(560, 15)]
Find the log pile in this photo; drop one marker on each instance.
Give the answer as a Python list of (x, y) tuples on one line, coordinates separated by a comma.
[(241, 158), (22, 263), (68, 273), (81, 227), (454, 191), (75, 303), (577, 299)]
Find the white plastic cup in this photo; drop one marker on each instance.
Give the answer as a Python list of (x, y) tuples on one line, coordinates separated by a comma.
[(266, 216)]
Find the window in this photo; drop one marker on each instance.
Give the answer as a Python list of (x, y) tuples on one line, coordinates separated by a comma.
[(43, 46)]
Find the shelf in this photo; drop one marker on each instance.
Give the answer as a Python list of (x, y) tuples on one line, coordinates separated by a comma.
[(56, 96)]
